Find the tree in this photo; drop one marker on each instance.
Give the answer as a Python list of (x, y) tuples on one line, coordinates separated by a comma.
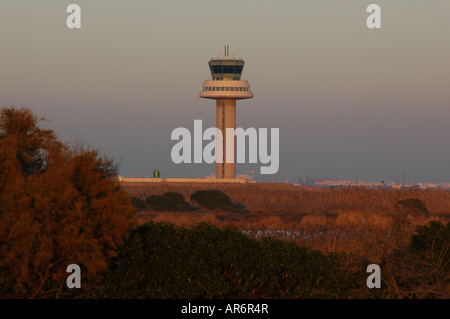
[(60, 205)]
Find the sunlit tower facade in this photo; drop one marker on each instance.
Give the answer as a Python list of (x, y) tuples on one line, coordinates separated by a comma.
[(226, 87)]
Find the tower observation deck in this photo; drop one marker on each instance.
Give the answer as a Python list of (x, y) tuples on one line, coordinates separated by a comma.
[(226, 87)]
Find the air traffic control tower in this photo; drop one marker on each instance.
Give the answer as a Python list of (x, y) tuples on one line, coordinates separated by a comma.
[(226, 87)]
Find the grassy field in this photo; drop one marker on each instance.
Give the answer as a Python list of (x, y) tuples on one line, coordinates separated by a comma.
[(287, 198), (344, 219)]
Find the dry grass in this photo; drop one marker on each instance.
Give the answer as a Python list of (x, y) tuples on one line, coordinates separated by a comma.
[(289, 198), (185, 219), (354, 220)]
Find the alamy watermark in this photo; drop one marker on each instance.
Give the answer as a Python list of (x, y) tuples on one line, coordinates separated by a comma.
[(374, 280), (74, 19), (213, 152)]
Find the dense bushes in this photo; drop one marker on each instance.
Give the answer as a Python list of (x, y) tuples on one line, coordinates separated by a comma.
[(433, 240), (174, 201), (165, 261), (138, 203), (213, 199), (170, 201), (421, 270), (430, 247)]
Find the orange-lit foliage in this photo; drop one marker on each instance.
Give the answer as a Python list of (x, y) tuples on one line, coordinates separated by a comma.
[(58, 206)]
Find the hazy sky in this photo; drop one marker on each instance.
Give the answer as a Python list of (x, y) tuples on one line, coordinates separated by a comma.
[(351, 103)]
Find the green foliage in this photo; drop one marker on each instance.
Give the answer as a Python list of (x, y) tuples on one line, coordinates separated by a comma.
[(213, 199), (431, 243), (166, 261), (414, 206), (170, 201)]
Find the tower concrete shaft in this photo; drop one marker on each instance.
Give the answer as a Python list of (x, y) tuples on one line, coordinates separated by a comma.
[(225, 118)]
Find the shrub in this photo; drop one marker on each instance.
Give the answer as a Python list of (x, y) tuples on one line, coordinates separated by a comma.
[(166, 261), (170, 201), (138, 203), (414, 207), (432, 243), (213, 199), (422, 269)]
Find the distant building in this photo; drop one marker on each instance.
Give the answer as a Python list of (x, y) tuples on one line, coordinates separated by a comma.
[(315, 182)]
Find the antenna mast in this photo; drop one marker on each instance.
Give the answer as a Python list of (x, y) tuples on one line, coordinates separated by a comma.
[(227, 52)]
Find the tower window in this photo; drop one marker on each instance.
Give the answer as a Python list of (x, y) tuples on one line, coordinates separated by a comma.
[(240, 89), (232, 89), (228, 88), (222, 88)]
